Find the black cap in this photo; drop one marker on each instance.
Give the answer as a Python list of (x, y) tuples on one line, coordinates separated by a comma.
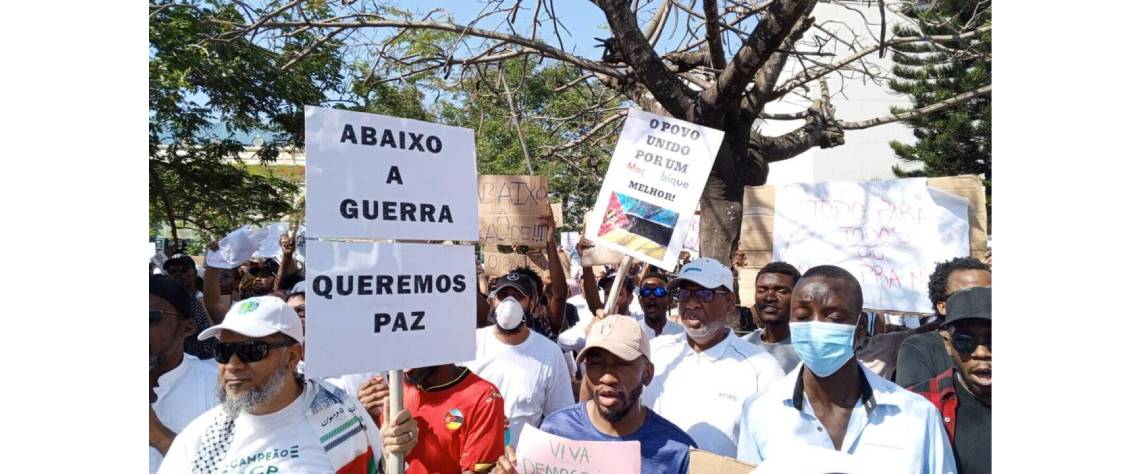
[(518, 281), (181, 260), (607, 280), (970, 303), (164, 287)]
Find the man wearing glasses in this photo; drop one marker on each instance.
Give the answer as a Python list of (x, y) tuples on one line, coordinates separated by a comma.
[(271, 419), (653, 296), (962, 393), (703, 376), (182, 270), (181, 387)]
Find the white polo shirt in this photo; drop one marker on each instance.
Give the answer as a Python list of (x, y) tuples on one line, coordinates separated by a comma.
[(891, 428), (703, 392), (188, 390)]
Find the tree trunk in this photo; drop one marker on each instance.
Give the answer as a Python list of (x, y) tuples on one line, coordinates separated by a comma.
[(721, 204)]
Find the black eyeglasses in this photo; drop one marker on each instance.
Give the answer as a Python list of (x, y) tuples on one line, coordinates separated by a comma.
[(659, 292), (156, 315), (703, 294), (247, 351), (965, 344)]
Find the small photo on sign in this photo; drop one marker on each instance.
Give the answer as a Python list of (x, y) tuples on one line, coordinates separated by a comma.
[(638, 225)]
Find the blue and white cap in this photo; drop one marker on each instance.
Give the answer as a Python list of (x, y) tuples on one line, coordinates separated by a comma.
[(706, 272)]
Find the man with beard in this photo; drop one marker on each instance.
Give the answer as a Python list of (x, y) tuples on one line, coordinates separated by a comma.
[(271, 419), (707, 372), (181, 387), (460, 414), (774, 286), (182, 270), (923, 356), (617, 368), (834, 404), (962, 393), (528, 369)]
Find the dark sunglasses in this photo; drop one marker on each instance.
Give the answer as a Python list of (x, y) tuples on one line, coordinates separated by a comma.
[(659, 292), (260, 271), (247, 351), (156, 315), (965, 344), (177, 269), (703, 294)]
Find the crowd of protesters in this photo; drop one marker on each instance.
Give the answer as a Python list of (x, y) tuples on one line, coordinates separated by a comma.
[(680, 362)]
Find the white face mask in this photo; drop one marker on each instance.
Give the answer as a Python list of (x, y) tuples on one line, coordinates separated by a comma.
[(509, 313)]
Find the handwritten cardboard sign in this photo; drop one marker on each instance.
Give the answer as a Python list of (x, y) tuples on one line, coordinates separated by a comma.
[(496, 263), (510, 208), (542, 452), (888, 234), (710, 463)]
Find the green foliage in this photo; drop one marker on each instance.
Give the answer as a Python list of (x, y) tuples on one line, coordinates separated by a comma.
[(208, 88), (549, 118), (957, 140)]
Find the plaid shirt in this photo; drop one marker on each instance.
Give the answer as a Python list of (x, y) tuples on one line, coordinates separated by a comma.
[(942, 392)]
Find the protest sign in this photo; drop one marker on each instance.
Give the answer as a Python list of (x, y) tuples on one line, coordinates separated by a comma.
[(237, 247), (693, 237), (655, 179), (556, 208), (542, 452), (370, 176), (597, 255), (888, 234), (710, 463), (510, 208), (569, 244), (760, 203), (496, 263), (376, 306)]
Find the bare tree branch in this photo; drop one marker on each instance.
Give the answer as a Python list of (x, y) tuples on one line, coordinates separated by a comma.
[(712, 33), (636, 51), (811, 75), (760, 45), (765, 80), (380, 22), (944, 104)]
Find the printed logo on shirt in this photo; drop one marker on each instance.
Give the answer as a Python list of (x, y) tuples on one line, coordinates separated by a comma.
[(453, 419), (240, 464), (492, 396), (727, 396), (247, 307)]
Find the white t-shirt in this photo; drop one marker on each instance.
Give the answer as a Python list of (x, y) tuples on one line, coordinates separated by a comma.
[(283, 441), (703, 393), (532, 377), (669, 329), (574, 338), (184, 393)]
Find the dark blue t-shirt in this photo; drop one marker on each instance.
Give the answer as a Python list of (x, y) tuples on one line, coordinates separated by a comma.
[(664, 446)]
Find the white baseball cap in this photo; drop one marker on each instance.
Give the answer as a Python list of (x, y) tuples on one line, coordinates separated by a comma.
[(706, 272), (259, 316)]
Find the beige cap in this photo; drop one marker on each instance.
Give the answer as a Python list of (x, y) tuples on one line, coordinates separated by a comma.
[(620, 335)]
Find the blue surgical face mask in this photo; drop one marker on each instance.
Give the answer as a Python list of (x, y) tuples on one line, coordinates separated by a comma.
[(824, 347)]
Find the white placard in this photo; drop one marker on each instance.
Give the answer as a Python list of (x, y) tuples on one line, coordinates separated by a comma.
[(373, 307), (370, 176), (655, 180), (888, 234)]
